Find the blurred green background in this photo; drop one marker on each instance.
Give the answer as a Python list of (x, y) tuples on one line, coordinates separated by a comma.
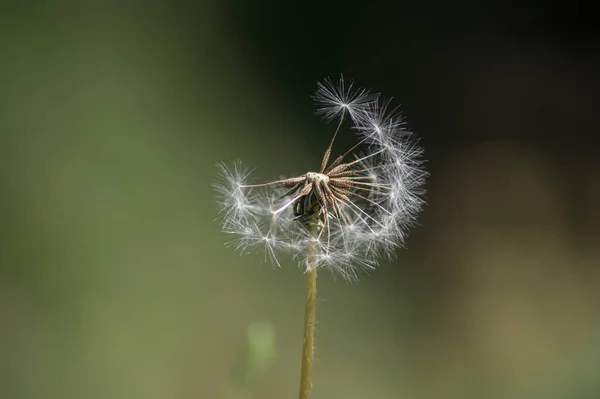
[(114, 278)]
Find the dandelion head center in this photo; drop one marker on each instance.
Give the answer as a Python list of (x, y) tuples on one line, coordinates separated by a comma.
[(313, 177)]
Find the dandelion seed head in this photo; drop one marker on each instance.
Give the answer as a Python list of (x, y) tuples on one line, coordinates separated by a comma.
[(356, 209)]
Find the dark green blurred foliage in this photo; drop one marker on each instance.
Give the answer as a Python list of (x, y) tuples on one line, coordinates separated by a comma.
[(114, 278)]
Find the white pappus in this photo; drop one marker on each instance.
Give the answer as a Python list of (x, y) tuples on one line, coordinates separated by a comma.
[(352, 209)]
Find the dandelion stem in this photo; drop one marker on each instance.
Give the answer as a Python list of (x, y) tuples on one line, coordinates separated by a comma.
[(309, 320)]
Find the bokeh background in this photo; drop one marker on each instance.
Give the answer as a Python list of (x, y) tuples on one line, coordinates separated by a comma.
[(114, 278)]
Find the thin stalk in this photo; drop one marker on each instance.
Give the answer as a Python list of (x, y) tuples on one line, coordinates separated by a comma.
[(308, 347)]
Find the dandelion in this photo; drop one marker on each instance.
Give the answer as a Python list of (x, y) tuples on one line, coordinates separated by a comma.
[(343, 216)]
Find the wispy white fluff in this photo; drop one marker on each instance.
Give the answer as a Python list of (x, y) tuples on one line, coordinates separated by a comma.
[(366, 199)]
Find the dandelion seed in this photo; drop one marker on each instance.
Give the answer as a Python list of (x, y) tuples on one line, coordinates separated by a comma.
[(335, 100), (353, 209)]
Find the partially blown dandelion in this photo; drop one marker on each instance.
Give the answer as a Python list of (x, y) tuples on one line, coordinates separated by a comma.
[(353, 208), (344, 215)]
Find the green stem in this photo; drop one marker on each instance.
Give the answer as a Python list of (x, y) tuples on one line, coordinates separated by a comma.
[(308, 346)]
